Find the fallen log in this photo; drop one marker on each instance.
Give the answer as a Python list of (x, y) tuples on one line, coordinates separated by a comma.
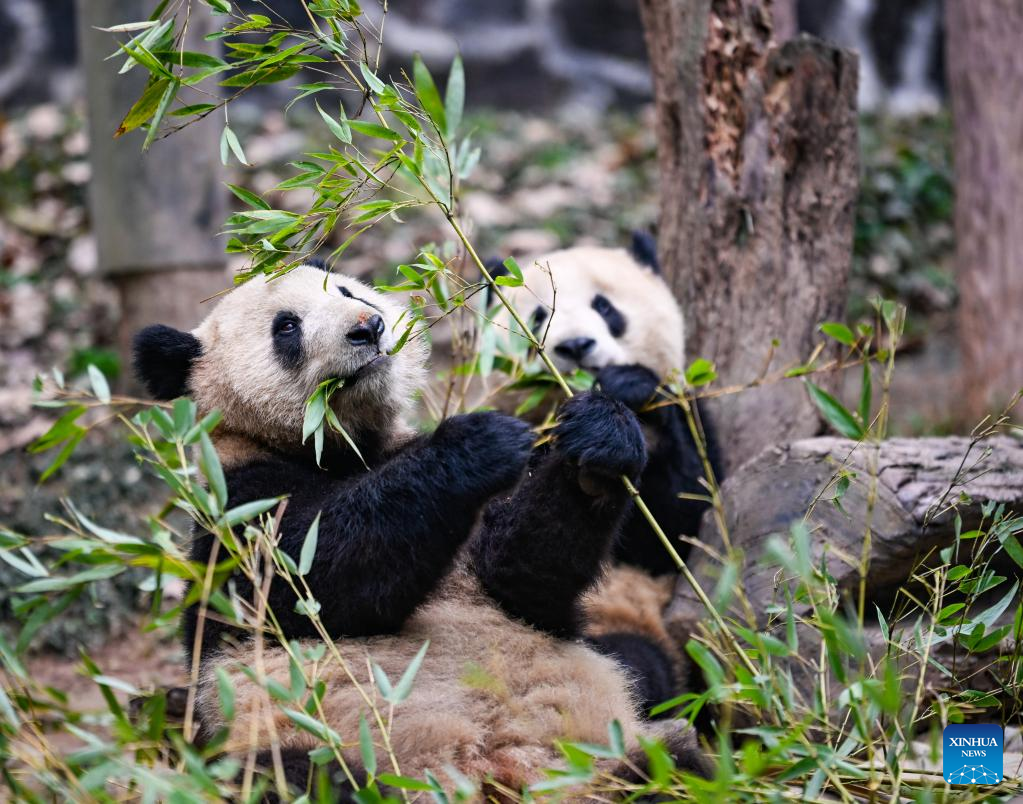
[(908, 491)]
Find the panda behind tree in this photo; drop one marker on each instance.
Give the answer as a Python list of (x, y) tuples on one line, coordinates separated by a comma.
[(468, 538), (609, 312)]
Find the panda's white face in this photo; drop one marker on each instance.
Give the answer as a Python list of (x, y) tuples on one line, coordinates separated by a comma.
[(268, 344), (594, 307)]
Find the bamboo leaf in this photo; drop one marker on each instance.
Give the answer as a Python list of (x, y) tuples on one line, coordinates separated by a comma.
[(243, 513), (229, 141), (225, 694), (835, 413), (366, 748), (427, 94), (313, 726), (100, 387), (339, 128), (305, 559), (866, 395), (315, 410), (248, 197), (371, 78), (840, 332), (144, 107), (375, 130), (454, 97), (404, 687), (211, 468)]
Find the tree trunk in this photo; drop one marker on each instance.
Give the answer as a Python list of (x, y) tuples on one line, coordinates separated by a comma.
[(985, 75), (758, 153), (156, 214), (785, 16)]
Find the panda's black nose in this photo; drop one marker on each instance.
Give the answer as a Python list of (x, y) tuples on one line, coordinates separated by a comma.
[(366, 333), (575, 348)]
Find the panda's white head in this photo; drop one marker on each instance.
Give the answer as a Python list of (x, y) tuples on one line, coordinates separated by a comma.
[(264, 348), (593, 307)]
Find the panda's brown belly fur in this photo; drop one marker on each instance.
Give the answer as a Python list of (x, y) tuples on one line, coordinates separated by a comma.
[(490, 698)]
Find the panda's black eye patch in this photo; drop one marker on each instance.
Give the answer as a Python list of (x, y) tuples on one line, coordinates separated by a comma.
[(612, 315), (286, 331), (345, 292), (537, 319)]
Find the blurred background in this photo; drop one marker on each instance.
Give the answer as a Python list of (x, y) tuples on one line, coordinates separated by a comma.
[(559, 100)]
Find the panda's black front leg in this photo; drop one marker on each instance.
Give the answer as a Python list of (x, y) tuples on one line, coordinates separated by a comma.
[(674, 467), (539, 549), (386, 538)]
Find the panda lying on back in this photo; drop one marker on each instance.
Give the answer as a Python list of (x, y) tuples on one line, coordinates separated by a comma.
[(400, 557)]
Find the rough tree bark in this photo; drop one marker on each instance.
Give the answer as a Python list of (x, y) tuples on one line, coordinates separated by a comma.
[(758, 154), (156, 214), (985, 75)]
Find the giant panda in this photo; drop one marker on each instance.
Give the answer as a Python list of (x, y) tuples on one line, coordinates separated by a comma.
[(609, 312), (469, 538)]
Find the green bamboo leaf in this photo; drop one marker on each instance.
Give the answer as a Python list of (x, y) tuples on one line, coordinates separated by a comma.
[(313, 726), (427, 94), (107, 535), (100, 387), (63, 455), (835, 413), (229, 140), (195, 108), (315, 410), (371, 78), (144, 107), (305, 559), (403, 782), (866, 395), (700, 372), (130, 26), (382, 681), (840, 332), (59, 431), (209, 463), (454, 97), (225, 694), (711, 667), (247, 511), (375, 130), (248, 197), (366, 748), (56, 583), (339, 128), (404, 686)]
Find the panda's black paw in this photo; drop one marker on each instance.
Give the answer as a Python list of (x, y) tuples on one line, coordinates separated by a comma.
[(487, 451), (634, 385), (602, 438)]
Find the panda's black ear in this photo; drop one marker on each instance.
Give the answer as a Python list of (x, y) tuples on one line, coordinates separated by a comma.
[(644, 249), (316, 262), (495, 267), (163, 358)]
